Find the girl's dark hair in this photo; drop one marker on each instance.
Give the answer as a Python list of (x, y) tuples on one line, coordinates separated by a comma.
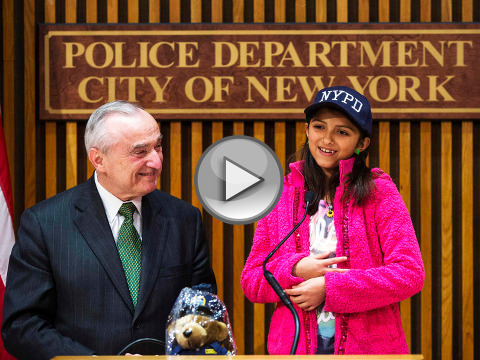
[(359, 183)]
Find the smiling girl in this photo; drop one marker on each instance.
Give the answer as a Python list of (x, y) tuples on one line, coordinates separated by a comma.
[(356, 255)]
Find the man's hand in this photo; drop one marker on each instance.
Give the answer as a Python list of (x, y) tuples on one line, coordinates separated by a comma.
[(316, 265), (308, 294)]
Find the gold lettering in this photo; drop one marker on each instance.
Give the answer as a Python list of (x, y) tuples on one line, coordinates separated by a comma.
[(344, 51), (82, 89), (434, 88), (219, 54), (185, 54), (153, 54), (412, 90), (111, 87), (69, 54), (366, 49), (132, 89), (108, 55), (219, 89), (264, 91), (374, 86), (284, 87), (291, 54), (437, 55), (119, 56), (207, 85), (322, 56), (143, 54), (247, 53), (405, 52), (272, 48), (159, 90), (460, 50)]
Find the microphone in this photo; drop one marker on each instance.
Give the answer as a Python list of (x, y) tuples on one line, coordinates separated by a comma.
[(274, 283)]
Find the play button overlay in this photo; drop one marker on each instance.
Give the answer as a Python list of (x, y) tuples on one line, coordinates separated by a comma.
[(238, 179)]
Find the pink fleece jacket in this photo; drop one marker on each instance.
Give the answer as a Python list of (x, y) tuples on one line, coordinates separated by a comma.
[(383, 257)]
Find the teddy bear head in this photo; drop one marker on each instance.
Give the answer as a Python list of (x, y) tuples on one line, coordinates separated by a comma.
[(196, 331)]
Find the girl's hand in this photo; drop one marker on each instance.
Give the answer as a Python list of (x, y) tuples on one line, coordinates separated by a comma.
[(316, 265), (308, 294)]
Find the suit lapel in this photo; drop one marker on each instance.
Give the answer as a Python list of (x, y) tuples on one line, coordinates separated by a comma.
[(154, 234), (92, 222)]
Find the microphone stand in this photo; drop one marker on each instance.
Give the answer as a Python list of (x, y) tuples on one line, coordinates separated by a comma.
[(276, 286)]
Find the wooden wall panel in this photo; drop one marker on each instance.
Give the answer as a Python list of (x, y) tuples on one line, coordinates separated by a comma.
[(48, 157)]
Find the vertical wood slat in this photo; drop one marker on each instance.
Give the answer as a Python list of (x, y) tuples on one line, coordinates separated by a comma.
[(300, 135), (91, 11), (363, 10), (384, 145), (29, 102), (447, 250), (405, 10), (342, 10), (174, 11), (175, 161), (154, 11), (50, 128), (446, 7), (71, 126), (467, 240), (8, 109), (91, 15), (426, 219), (238, 7), (238, 263), (133, 11), (405, 192), (217, 226), (197, 149), (196, 11), (301, 10), (467, 10), (175, 145), (321, 10), (280, 10), (426, 236), (384, 10), (384, 126), (259, 309), (112, 11), (217, 11), (425, 10)]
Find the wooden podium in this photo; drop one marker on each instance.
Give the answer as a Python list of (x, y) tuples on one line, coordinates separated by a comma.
[(252, 357)]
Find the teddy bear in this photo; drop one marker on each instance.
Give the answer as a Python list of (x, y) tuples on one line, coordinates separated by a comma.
[(199, 325)]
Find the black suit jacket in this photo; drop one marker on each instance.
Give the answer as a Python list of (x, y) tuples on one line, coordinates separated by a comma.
[(66, 291)]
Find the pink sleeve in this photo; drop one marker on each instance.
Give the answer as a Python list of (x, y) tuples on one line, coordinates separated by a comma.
[(402, 274), (254, 284)]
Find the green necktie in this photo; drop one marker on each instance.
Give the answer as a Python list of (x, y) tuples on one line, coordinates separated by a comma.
[(130, 249)]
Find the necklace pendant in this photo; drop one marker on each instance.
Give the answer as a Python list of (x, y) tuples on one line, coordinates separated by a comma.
[(330, 213)]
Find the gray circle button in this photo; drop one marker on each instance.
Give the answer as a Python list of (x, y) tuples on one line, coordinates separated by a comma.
[(238, 179)]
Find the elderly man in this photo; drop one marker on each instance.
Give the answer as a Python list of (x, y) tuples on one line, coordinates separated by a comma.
[(100, 265)]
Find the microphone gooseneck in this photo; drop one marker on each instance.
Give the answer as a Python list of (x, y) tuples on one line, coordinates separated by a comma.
[(274, 283)]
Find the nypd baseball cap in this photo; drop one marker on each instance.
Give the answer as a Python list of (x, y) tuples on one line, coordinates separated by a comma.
[(350, 102)]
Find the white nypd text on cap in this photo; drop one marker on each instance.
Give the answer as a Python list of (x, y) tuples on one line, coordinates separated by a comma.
[(349, 98)]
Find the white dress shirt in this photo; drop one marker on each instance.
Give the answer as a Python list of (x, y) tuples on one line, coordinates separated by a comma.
[(112, 204)]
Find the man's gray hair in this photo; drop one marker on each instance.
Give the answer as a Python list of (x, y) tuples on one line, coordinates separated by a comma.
[(96, 135)]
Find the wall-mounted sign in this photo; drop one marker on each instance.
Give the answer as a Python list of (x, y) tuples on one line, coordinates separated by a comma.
[(249, 71)]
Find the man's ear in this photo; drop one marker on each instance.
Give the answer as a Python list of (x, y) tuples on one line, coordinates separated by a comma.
[(363, 144), (96, 157)]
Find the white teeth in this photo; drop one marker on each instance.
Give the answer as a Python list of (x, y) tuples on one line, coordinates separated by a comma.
[(326, 150)]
